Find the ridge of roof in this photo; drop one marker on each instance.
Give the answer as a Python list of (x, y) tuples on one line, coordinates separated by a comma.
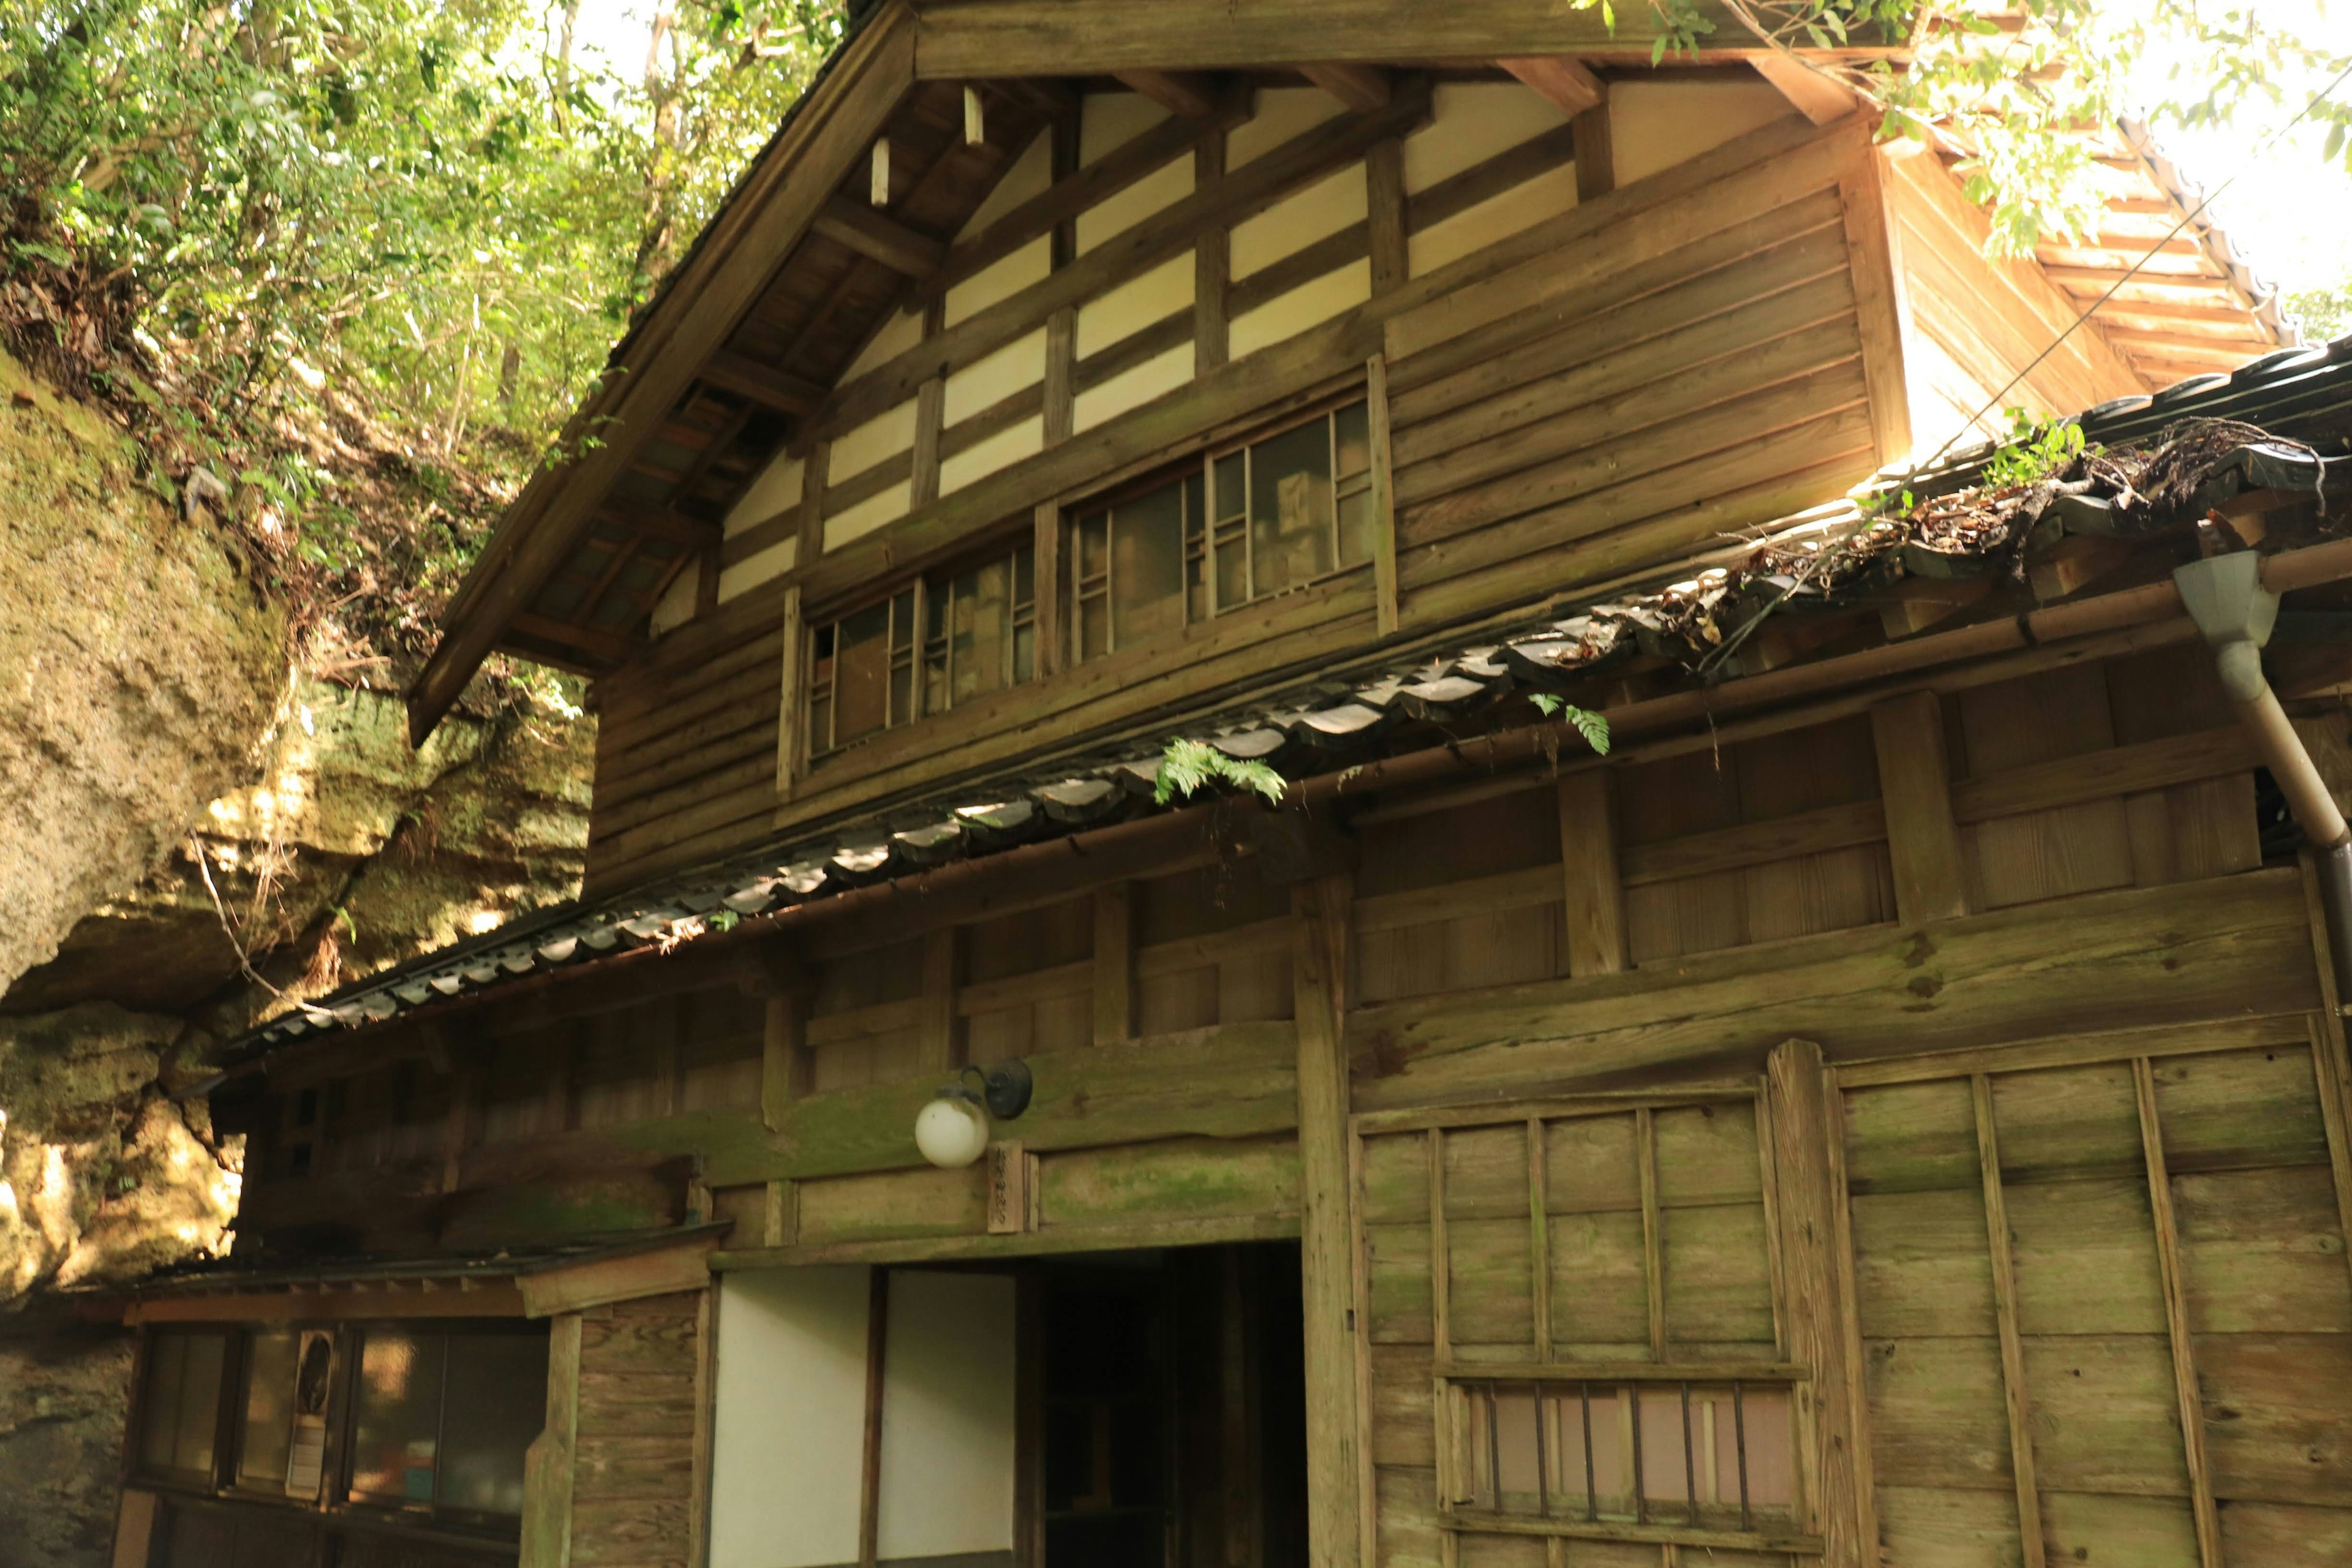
[(1324, 719)]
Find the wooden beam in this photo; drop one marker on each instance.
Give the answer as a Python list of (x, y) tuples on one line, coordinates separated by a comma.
[(1596, 154), (1923, 838), (1810, 90), (1384, 542), (938, 1046), (1653, 1239), (599, 1281), (931, 418), (1046, 575), (1877, 298), (547, 1463), (1061, 389), (1188, 95), (1808, 1209), (1560, 78), (1211, 266), (2191, 1399), (592, 640), (1319, 1000), (1361, 87), (1595, 912), (1114, 963), (2012, 1344), (869, 1472), (791, 710), (881, 238), (1386, 221), (763, 384)]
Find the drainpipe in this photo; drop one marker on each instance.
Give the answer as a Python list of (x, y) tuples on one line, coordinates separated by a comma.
[(2225, 596)]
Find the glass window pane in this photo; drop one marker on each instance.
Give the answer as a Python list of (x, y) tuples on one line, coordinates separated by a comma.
[(1148, 566), (1356, 527), (1290, 509), (861, 683), (183, 1409), (396, 1416), (498, 1403), (1351, 432), (980, 630), (268, 1408), (1231, 471)]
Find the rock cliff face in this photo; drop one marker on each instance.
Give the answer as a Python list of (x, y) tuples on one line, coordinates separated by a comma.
[(185, 831)]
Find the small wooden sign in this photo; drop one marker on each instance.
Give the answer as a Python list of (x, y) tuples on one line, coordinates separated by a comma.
[(1012, 1190)]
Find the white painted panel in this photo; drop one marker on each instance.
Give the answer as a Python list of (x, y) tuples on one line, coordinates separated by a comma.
[(947, 1416), (1470, 122), (1156, 192), (1311, 304), (1297, 221), (1655, 125), (1028, 265), (1129, 389), (788, 1435), (1006, 447), (753, 570), (675, 607), (1281, 113), (777, 487), (1027, 179), (1135, 304), (868, 514), (884, 437), (1547, 195), (1109, 118), (987, 382), (899, 333)]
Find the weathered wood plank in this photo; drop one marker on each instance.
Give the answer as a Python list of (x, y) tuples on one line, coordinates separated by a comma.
[(1594, 922), (1319, 1003), (2175, 1315), (1923, 838), (2016, 1398)]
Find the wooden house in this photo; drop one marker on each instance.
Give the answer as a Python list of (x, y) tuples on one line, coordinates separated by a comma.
[(1891, 1109)]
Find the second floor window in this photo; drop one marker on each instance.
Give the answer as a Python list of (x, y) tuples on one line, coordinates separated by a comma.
[(1246, 522), (942, 640)]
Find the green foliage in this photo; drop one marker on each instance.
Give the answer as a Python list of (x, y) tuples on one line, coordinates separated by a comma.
[(2326, 313), (1188, 766), (2034, 451), (1593, 727)]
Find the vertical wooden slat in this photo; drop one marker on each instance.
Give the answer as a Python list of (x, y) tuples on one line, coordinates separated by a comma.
[(1540, 1237), (706, 1412), (1596, 158), (931, 418), (1212, 265), (792, 711), (1061, 374), (2176, 1318), (781, 1212), (1114, 963), (869, 1473), (1653, 1251), (2330, 1071), (1360, 1267), (783, 1056), (1771, 1191), (1804, 1124), (547, 1463), (1595, 910), (1384, 544), (1384, 194), (939, 1047), (1878, 300), (1320, 915), (1029, 1422), (461, 1125), (2012, 1346), (1849, 1310), (1440, 1268), (1052, 618), (1923, 841)]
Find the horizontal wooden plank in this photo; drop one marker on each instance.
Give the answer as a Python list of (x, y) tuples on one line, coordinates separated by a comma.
[(2074, 1050), (1253, 940), (1020, 990), (1498, 894), (858, 1023), (2104, 775), (1664, 1370), (1754, 843), (1153, 1232)]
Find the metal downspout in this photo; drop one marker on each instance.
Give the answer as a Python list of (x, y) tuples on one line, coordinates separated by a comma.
[(2225, 597)]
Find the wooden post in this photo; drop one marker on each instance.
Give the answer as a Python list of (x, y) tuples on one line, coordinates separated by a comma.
[(792, 711), (705, 1416), (1046, 575), (1596, 893), (2176, 1319), (2328, 1066), (1539, 1236), (1318, 978), (1212, 265), (869, 1474), (1384, 193), (1114, 962), (1389, 614), (1807, 1207), (1653, 1240), (2012, 1346), (461, 1126), (938, 1050), (547, 1463), (1878, 300), (1923, 841), (1061, 394), (1596, 154)]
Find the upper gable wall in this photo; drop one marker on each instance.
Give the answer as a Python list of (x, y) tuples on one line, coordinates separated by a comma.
[(1688, 360)]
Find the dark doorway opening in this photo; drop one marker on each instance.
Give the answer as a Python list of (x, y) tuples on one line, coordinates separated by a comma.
[(1170, 1394)]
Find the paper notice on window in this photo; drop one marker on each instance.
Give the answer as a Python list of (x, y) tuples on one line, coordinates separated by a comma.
[(307, 1456)]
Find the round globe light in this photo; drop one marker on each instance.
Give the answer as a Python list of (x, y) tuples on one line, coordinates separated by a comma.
[(951, 1130)]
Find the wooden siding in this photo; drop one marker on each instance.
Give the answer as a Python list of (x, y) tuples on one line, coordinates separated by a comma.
[(634, 1471)]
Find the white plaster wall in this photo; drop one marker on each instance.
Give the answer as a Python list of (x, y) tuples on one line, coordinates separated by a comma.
[(1299, 220), (1156, 192), (902, 331), (753, 570), (1002, 280), (777, 487), (1107, 119), (1653, 125), (869, 514), (1161, 374), (882, 437), (1030, 174), (1108, 319), (675, 607), (1310, 305), (1002, 449), (948, 1474), (1473, 229), (1470, 121), (1283, 113), (788, 1435), (987, 382)]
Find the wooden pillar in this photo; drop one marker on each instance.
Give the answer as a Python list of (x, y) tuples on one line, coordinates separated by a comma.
[(1114, 963), (1596, 154), (870, 1475), (1061, 389), (931, 416), (1915, 780), (939, 1048), (1810, 1212), (783, 1079), (1385, 206), (547, 1463), (1212, 265), (1389, 616), (1047, 577), (1318, 988), (1595, 891)]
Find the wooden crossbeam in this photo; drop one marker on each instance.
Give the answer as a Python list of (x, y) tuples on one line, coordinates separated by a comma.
[(1815, 94), (1361, 87), (880, 238), (1565, 82), (592, 640), (1192, 95), (762, 383)]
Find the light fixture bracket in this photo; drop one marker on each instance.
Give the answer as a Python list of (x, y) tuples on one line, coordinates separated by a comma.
[(1004, 1088)]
